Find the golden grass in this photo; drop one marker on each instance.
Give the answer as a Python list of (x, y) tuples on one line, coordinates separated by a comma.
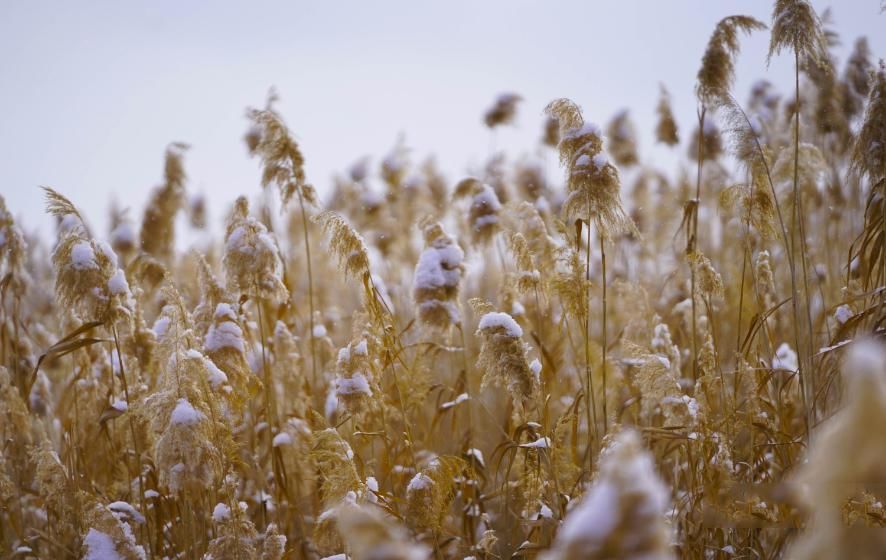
[(618, 364)]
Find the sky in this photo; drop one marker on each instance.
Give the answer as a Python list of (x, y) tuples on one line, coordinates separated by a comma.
[(92, 92)]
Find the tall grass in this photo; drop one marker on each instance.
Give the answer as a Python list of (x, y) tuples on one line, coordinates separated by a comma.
[(501, 366)]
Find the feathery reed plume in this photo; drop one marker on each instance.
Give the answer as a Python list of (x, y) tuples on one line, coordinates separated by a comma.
[(251, 259), (796, 27), (437, 276), (621, 136), (718, 63), (503, 110), (87, 277), (592, 181), (197, 211), (431, 491), (370, 534), (530, 180), (270, 140), (869, 159), (334, 461), (502, 357), (623, 513), (186, 460), (235, 534), (765, 281), (121, 233), (12, 249), (832, 477), (353, 381), (485, 206), (225, 347), (345, 243), (869, 152), (712, 144), (283, 163), (856, 78), (551, 132), (666, 129), (709, 281), (110, 536), (157, 236), (528, 276), (754, 199)]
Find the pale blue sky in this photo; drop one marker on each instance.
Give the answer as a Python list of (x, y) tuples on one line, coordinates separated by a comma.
[(92, 92)]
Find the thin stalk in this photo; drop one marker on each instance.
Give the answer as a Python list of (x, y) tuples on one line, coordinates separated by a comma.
[(135, 445), (304, 224), (694, 240), (806, 357), (605, 342), (787, 247), (590, 406)]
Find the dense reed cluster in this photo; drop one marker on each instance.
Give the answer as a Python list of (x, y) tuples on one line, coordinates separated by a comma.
[(612, 363)]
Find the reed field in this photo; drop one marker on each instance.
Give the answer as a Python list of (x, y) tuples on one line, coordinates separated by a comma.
[(609, 362)]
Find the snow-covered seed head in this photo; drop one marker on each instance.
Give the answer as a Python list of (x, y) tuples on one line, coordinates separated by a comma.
[(503, 110), (592, 181), (436, 279), (622, 515), (503, 357), (251, 259), (353, 381)]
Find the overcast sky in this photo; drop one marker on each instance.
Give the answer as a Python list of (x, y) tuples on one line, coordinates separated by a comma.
[(92, 92)]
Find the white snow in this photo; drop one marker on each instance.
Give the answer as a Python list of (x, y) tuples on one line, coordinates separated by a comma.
[(185, 414), (151, 494), (866, 358), (108, 252), (535, 367), (420, 481), (355, 385), (785, 358), (123, 234), (344, 355), (438, 265), (161, 325), (626, 469), (458, 400), (827, 349), (319, 331), (83, 257), (217, 377), (477, 455), (497, 319), (361, 349), (100, 546), (331, 404), (224, 311), (128, 510), (540, 443), (372, 483), (118, 285), (545, 512), (843, 314), (486, 198), (281, 439), (583, 130), (221, 512), (120, 405), (226, 334)]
